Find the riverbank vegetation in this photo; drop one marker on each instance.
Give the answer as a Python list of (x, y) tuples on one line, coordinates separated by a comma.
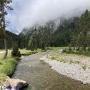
[(8, 65), (77, 50)]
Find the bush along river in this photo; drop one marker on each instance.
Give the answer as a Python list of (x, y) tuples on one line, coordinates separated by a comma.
[(40, 76)]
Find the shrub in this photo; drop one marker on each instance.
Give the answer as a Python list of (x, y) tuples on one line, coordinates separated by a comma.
[(15, 52)]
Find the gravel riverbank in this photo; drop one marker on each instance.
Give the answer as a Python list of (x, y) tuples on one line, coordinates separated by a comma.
[(77, 71)]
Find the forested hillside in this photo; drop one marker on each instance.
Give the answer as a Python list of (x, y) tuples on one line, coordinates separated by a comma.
[(73, 31), (11, 39)]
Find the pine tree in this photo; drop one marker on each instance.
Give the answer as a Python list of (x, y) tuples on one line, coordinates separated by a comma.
[(3, 5)]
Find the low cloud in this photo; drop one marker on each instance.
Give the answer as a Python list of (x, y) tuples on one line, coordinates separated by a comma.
[(29, 12)]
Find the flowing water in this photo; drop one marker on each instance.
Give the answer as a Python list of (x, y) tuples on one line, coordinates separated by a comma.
[(40, 76)]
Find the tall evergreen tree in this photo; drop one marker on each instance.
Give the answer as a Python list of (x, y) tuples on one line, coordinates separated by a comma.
[(4, 4)]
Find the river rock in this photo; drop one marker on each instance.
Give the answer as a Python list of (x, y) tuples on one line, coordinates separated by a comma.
[(14, 84)]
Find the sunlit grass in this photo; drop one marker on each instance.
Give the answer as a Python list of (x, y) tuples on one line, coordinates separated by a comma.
[(7, 66), (2, 78), (26, 52), (55, 54), (56, 48), (2, 52), (22, 51)]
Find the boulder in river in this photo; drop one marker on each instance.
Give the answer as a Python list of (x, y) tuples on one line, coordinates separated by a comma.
[(14, 84)]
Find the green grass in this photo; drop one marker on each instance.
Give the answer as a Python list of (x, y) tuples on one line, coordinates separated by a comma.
[(2, 54), (7, 66), (25, 52), (81, 52), (2, 78), (55, 54), (56, 48), (70, 51)]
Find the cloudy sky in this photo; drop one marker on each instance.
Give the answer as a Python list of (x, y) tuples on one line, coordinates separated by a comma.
[(26, 13)]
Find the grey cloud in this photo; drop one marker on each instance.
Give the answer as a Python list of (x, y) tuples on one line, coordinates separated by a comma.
[(29, 12)]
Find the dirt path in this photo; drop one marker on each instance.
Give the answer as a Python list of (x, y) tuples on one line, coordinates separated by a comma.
[(40, 76)]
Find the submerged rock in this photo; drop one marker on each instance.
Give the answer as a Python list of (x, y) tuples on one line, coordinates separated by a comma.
[(14, 84)]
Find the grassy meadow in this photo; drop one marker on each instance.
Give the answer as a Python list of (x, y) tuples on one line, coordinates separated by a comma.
[(8, 65)]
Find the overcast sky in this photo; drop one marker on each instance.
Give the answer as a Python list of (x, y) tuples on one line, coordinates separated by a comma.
[(29, 12)]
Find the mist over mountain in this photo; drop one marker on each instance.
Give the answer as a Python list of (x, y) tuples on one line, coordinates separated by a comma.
[(27, 13)]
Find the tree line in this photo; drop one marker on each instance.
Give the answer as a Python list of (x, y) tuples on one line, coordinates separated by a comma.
[(73, 31)]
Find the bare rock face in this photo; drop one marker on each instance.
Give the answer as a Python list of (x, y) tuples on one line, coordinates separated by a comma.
[(14, 84)]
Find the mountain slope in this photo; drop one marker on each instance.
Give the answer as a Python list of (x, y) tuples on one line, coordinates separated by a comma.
[(11, 39)]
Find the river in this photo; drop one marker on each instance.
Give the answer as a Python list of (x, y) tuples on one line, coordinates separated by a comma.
[(40, 76)]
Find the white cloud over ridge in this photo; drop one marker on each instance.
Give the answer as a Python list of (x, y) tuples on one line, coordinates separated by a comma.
[(29, 12)]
